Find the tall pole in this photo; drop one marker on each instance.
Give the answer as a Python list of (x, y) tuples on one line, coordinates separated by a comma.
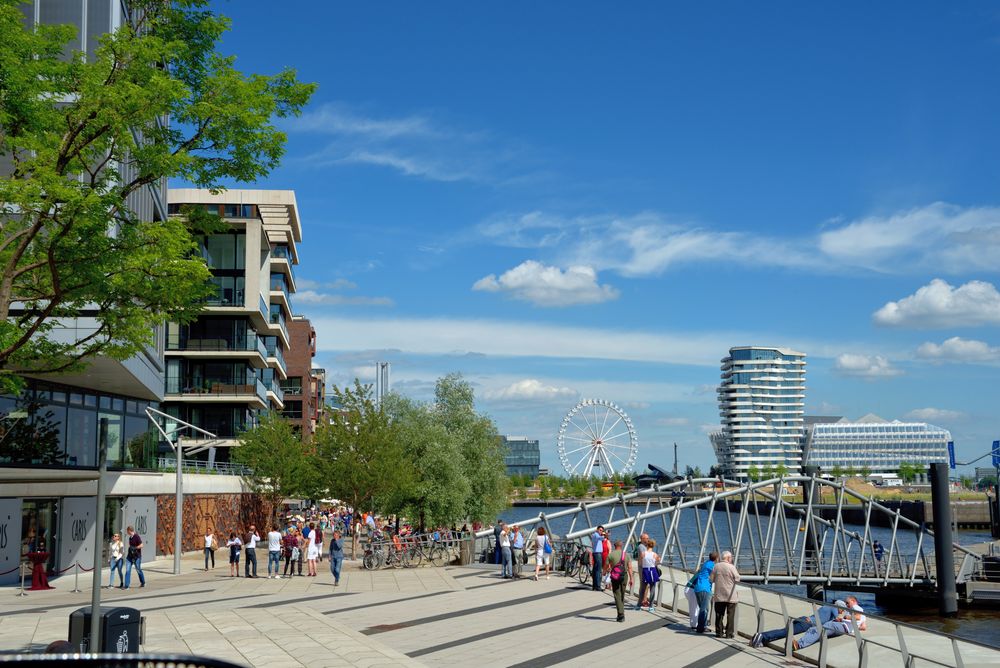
[(814, 591), (95, 593), (178, 508), (944, 554), (675, 458)]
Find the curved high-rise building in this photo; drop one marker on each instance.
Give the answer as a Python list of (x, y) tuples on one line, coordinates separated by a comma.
[(761, 402)]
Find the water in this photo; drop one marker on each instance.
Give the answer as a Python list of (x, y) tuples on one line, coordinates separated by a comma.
[(979, 625)]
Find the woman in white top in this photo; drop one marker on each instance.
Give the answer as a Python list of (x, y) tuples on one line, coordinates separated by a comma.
[(210, 545), (542, 558), (312, 552), (650, 576), (117, 551), (235, 545)]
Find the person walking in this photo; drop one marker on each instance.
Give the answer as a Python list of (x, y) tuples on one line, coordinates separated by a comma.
[(336, 556), (620, 572), (543, 553), (497, 528), (505, 564), (703, 590), (312, 552), (290, 547), (274, 552), (597, 557), (650, 575), (692, 599), (725, 576), (210, 545), (134, 557), (517, 552), (235, 545), (251, 550), (116, 550)]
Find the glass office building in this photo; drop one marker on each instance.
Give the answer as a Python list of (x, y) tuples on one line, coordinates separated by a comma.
[(878, 445), (523, 455), (761, 403)]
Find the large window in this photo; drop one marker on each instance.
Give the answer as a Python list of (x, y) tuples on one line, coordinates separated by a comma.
[(225, 251), (292, 385)]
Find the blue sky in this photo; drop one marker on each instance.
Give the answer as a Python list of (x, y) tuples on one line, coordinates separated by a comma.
[(565, 200)]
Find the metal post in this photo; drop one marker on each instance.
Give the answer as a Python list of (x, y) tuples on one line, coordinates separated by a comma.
[(95, 587), (178, 508), (943, 552), (21, 593), (76, 579), (815, 591)]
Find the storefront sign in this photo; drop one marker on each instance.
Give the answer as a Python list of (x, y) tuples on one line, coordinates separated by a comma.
[(10, 539), (76, 533), (140, 513)]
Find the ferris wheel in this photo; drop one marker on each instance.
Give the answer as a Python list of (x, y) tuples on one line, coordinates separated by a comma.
[(597, 434)]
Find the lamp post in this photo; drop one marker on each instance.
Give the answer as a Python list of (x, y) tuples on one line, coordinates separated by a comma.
[(95, 588), (179, 482)]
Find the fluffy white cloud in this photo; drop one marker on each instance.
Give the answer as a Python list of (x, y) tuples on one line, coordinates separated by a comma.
[(957, 349), (939, 304), (869, 367), (933, 415), (939, 236), (314, 297), (542, 285), (339, 284), (530, 389)]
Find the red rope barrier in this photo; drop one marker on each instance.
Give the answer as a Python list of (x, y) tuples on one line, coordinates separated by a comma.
[(85, 570), (11, 570), (65, 569)]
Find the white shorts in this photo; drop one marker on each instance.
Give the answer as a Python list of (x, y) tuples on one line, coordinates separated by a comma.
[(312, 552), (542, 558)]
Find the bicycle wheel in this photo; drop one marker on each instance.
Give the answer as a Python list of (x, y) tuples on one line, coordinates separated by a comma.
[(368, 561), (416, 556), (392, 560), (584, 573), (439, 556)]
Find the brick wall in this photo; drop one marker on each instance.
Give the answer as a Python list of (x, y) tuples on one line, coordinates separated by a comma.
[(298, 360), (223, 512)]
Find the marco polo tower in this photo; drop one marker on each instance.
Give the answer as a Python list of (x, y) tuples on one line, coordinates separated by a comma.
[(761, 402)]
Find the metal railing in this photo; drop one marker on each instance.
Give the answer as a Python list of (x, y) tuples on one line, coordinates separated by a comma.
[(199, 466)]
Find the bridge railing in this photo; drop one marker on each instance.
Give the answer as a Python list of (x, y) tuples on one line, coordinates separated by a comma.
[(813, 550)]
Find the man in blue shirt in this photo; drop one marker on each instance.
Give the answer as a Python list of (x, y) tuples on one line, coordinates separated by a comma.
[(597, 557), (517, 547), (703, 589)]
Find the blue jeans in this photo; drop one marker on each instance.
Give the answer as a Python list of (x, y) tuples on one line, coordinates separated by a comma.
[(116, 565), (505, 564), (273, 559), (336, 561), (833, 629), (801, 624), (597, 570), (704, 603), (138, 567), (251, 559)]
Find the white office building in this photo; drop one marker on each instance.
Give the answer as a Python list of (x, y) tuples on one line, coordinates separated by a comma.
[(874, 445), (761, 403)]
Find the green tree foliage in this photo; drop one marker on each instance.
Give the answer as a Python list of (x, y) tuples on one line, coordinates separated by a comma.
[(837, 471), (276, 458), (692, 472), (908, 471), (767, 472), (358, 456), (866, 471), (480, 446), (438, 488), (753, 472), (780, 470), (71, 243)]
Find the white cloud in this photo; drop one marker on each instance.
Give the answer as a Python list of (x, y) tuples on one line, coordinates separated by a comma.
[(869, 367), (939, 236), (957, 349), (936, 237), (825, 408), (314, 297), (637, 405), (938, 304), (933, 415), (672, 421), (410, 165), (542, 285), (530, 389), (338, 284), (363, 373), (335, 118)]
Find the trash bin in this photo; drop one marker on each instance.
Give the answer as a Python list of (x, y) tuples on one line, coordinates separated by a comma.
[(121, 629), (465, 549)]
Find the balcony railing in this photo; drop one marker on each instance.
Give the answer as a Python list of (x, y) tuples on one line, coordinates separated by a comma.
[(264, 308), (274, 350), (219, 344), (278, 318), (292, 389), (217, 387), (226, 294), (275, 389), (199, 466), (278, 284)]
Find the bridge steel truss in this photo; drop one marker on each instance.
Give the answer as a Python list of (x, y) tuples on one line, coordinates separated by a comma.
[(787, 544)]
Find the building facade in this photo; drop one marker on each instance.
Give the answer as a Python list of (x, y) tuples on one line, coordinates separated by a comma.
[(305, 387), (874, 445), (761, 403), (226, 368), (523, 455)]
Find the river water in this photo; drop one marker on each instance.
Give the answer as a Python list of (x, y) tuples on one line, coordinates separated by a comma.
[(979, 625)]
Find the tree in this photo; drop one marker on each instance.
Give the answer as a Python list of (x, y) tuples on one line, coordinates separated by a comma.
[(837, 471), (358, 454), (753, 473), (715, 471), (767, 472), (908, 472), (866, 471), (436, 489), (72, 244), (694, 472), (781, 470), (482, 453), (850, 472), (276, 460)]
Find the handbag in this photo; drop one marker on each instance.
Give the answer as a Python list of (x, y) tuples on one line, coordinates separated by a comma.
[(548, 546), (132, 553)]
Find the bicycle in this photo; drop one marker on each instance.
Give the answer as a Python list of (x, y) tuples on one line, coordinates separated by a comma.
[(374, 556)]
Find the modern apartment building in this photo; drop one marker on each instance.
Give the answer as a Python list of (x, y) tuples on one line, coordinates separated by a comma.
[(305, 387), (761, 403), (523, 455), (224, 369), (874, 444)]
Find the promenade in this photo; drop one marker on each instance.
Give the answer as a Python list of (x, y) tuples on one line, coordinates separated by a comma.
[(406, 617)]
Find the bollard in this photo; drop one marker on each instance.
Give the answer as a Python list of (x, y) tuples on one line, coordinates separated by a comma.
[(944, 555), (22, 593), (76, 579)]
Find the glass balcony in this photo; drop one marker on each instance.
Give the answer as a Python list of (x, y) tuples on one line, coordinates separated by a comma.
[(234, 386), (277, 317), (229, 291), (274, 350), (276, 390), (278, 284), (251, 342), (282, 251), (263, 306)]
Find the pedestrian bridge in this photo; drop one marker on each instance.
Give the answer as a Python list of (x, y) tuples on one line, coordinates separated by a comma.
[(775, 537)]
